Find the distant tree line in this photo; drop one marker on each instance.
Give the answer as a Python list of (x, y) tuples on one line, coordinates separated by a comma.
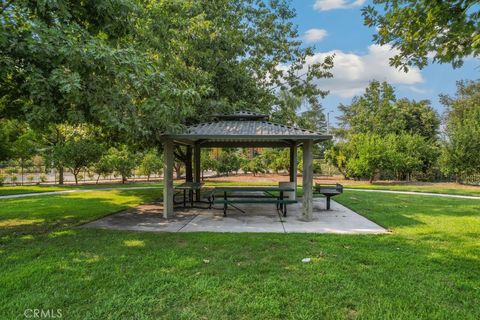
[(382, 137)]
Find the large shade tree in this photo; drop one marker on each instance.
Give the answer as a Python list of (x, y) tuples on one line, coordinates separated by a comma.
[(462, 142), (378, 111), (382, 135), (143, 67)]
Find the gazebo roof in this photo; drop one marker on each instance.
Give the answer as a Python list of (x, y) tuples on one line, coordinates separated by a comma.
[(245, 129), (241, 115)]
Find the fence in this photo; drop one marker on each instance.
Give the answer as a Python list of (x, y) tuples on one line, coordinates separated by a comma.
[(13, 176), (473, 179)]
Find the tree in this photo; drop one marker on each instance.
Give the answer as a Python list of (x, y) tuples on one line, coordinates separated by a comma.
[(228, 161), (89, 61), (369, 157), (23, 148), (372, 112), (277, 159), (418, 28), (419, 118), (338, 156), (137, 68), (207, 161), (103, 167), (313, 119), (151, 164), (122, 161), (378, 111), (285, 111), (409, 153), (254, 165), (460, 155), (79, 153), (74, 147), (397, 156), (9, 132)]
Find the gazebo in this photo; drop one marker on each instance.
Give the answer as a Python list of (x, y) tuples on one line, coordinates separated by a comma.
[(237, 130)]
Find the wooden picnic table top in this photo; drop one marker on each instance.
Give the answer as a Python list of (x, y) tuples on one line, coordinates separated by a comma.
[(254, 189)]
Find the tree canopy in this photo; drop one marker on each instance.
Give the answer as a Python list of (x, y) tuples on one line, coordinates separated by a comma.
[(378, 111), (142, 67), (462, 144), (448, 31), (385, 136)]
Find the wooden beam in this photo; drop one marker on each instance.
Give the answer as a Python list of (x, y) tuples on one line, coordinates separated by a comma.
[(307, 181), (293, 163), (168, 179), (245, 144), (188, 164), (197, 167)]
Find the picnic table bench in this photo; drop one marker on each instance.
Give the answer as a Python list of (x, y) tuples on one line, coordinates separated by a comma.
[(250, 195), (328, 190)]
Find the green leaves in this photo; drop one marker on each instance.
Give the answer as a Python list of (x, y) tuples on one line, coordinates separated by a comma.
[(461, 150), (448, 30), (378, 111), (139, 68)]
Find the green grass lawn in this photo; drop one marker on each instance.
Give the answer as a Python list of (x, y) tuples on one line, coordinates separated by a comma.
[(12, 190), (470, 191), (428, 267)]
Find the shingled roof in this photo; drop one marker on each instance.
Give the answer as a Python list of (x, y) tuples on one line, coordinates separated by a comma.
[(245, 127), (241, 115)]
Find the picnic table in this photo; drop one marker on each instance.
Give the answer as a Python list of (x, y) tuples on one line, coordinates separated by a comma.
[(230, 197), (190, 188)]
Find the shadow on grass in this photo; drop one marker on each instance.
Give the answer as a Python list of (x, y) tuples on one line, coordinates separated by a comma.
[(24, 216)]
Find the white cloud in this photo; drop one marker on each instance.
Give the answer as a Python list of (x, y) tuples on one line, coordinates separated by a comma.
[(315, 35), (352, 72), (325, 5), (419, 90)]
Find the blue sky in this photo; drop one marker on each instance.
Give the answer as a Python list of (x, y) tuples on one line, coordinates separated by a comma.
[(337, 26)]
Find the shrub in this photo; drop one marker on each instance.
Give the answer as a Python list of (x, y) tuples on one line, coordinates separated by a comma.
[(13, 179), (317, 166), (42, 178), (2, 179), (151, 164), (30, 178)]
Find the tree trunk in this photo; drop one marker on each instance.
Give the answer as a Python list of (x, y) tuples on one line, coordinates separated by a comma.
[(76, 179), (60, 175), (21, 164), (98, 178)]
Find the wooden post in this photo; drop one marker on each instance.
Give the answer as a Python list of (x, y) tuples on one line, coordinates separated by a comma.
[(293, 163), (188, 165), (307, 180), (168, 179), (196, 166)]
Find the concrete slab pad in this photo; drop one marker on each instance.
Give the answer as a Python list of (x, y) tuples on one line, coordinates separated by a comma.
[(255, 218), (236, 221), (339, 220), (142, 218)]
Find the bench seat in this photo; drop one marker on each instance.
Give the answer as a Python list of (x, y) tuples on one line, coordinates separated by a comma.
[(256, 200)]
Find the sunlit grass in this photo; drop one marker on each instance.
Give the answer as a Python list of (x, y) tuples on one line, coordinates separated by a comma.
[(426, 268), (460, 190)]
